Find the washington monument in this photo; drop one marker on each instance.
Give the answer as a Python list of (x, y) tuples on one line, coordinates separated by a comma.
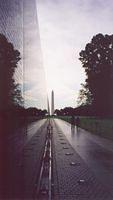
[(52, 102)]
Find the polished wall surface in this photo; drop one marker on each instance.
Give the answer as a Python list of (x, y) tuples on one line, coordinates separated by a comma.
[(19, 23)]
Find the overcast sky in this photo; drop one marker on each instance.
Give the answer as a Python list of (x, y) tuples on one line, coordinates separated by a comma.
[(66, 26)]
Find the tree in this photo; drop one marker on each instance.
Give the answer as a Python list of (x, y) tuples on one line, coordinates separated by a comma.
[(32, 111), (85, 97), (65, 111), (97, 60), (10, 93)]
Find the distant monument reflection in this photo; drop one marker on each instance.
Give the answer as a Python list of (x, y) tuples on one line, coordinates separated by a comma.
[(52, 103)]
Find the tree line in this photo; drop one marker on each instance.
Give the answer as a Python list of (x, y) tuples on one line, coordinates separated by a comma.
[(96, 94), (97, 60), (10, 93), (82, 110), (11, 100)]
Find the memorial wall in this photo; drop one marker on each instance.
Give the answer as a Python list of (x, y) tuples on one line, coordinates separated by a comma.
[(19, 23)]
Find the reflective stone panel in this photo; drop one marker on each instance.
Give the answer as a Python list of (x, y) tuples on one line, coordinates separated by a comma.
[(19, 23)]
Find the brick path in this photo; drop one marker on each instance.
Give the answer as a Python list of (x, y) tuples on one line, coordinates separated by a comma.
[(73, 180), (71, 177)]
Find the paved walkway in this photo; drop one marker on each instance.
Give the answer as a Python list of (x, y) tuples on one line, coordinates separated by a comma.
[(83, 168), (82, 163)]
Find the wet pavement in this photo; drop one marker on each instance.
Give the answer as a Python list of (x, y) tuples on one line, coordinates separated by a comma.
[(82, 163), (95, 153)]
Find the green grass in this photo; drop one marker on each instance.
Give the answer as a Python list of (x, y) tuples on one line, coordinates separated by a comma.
[(102, 127)]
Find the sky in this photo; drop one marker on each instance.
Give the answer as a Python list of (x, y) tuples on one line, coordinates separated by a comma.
[(35, 90), (65, 27)]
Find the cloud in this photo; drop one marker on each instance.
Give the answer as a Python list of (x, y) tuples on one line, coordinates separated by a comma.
[(65, 28)]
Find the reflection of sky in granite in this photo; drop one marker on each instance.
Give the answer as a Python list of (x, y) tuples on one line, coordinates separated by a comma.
[(18, 21)]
